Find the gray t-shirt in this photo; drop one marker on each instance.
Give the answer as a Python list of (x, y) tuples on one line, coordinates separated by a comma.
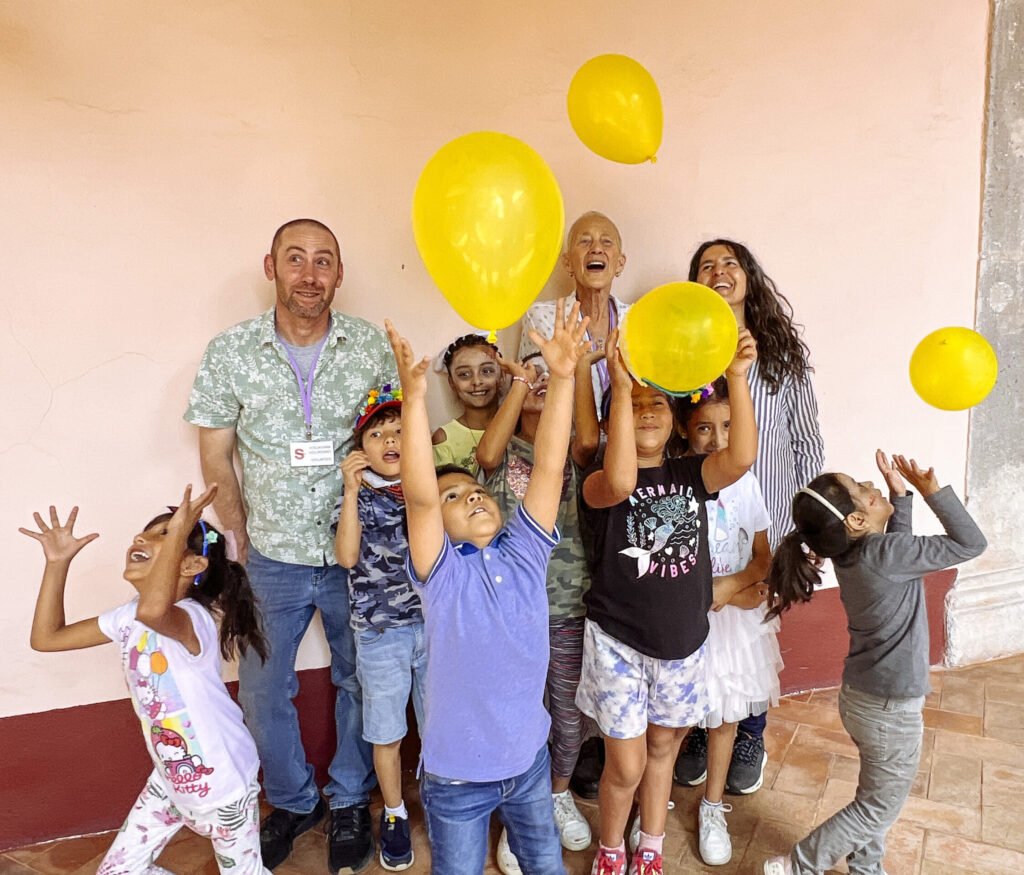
[(883, 593)]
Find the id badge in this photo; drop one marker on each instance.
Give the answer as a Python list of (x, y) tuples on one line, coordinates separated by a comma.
[(312, 454)]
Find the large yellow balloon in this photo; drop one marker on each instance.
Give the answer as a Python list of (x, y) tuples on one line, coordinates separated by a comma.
[(953, 368), (615, 109), (679, 337), (487, 215)]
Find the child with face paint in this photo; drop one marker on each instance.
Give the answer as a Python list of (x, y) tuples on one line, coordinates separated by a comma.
[(475, 377)]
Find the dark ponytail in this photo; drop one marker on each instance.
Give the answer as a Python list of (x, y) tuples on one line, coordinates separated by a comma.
[(224, 589), (793, 574)]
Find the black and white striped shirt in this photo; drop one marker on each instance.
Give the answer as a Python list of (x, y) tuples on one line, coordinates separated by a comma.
[(790, 451)]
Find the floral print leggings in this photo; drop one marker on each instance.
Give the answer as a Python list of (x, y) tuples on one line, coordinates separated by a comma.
[(234, 830)]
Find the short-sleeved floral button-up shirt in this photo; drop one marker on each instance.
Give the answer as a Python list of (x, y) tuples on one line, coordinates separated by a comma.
[(246, 382)]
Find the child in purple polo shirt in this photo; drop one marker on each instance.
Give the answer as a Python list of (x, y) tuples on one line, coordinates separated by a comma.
[(486, 612)]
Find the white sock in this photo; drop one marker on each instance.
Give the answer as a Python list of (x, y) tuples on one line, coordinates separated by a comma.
[(401, 812), (705, 802), (561, 795)]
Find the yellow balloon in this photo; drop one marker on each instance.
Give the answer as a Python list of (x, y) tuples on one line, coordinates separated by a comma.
[(487, 215), (953, 368), (679, 337), (615, 109)]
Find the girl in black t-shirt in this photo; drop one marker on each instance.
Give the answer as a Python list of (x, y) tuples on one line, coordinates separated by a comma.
[(643, 663)]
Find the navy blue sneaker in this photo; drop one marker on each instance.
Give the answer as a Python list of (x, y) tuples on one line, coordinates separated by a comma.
[(395, 844), (280, 828), (692, 763), (746, 771)]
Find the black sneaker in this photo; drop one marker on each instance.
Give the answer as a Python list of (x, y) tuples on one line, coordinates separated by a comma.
[(586, 777), (746, 771), (280, 828), (351, 842), (395, 844), (692, 763)]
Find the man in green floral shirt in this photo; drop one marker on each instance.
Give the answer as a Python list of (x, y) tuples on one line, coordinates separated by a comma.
[(284, 390)]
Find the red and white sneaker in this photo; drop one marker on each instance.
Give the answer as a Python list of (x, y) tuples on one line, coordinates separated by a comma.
[(608, 862), (646, 862)]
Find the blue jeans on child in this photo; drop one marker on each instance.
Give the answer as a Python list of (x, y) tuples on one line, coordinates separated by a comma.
[(459, 812), (887, 732), (288, 596), (390, 663)]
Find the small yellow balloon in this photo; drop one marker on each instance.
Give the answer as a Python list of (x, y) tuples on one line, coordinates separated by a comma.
[(615, 109), (157, 662), (487, 216), (679, 337), (953, 368)]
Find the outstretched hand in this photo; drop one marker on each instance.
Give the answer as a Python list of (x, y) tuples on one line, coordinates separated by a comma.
[(187, 514), (59, 541), (591, 355), (923, 481), (892, 477), (620, 377), (525, 370), (566, 344), (412, 374), (746, 354)]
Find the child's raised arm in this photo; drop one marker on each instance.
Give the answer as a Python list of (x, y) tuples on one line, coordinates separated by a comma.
[(50, 632), (725, 467), (499, 431), (551, 445), (157, 601), (419, 482), (617, 477), (349, 536), (586, 437)]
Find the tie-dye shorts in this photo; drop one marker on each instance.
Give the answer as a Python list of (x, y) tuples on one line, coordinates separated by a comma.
[(624, 690)]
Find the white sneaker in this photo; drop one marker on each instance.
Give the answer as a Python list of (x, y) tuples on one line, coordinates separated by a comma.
[(634, 830), (573, 829), (507, 862), (715, 844)]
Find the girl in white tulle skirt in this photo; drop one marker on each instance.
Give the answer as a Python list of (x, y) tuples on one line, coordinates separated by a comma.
[(742, 652)]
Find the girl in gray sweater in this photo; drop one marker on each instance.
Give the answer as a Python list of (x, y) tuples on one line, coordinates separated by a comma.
[(879, 563)]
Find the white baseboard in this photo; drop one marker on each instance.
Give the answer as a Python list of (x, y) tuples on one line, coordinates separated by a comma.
[(985, 617)]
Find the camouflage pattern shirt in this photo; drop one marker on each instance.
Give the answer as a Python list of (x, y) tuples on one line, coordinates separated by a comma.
[(380, 592), (568, 575), (245, 382)]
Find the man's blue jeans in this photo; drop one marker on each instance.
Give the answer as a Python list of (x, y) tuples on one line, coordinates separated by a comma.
[(459, 812), (888, 734), (288, 596)]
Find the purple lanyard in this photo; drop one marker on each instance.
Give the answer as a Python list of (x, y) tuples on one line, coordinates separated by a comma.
[(305, 387)]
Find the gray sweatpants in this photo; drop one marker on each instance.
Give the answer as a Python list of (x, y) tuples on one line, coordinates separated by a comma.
[(887, 733)]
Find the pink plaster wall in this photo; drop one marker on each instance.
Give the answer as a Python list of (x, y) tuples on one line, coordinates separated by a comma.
[(149, 150)]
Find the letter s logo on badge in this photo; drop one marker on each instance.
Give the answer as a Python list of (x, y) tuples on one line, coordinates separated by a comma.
[(299, 454)]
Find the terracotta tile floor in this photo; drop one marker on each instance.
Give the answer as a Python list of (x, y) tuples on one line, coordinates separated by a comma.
[(965, 813)]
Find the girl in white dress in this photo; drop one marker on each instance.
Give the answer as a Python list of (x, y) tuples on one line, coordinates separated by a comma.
[(743, 653)]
